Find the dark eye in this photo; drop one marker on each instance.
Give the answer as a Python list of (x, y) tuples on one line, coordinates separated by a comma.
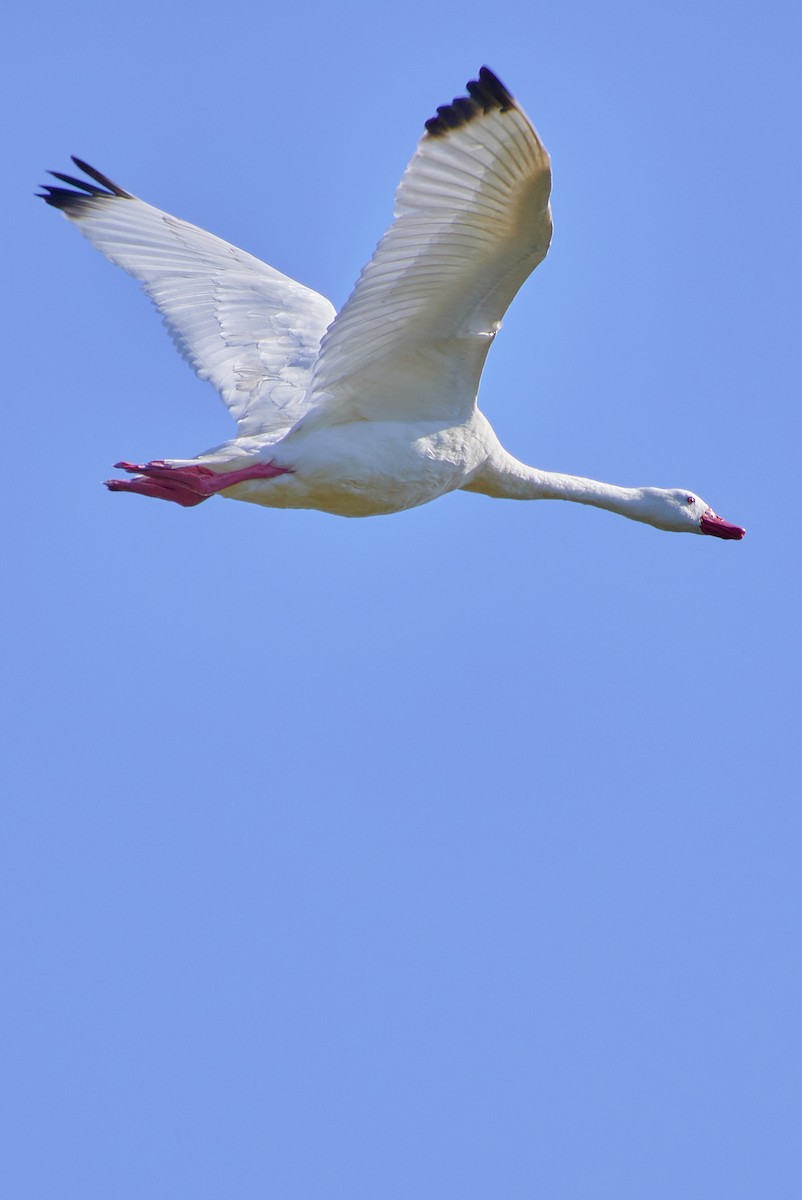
[(691, 499)]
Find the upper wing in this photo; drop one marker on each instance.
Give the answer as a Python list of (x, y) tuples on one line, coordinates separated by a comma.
[(472, 221), (248, 329)]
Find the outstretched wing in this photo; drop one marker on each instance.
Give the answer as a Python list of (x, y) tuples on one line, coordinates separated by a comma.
[(248, 329), (472, 221)]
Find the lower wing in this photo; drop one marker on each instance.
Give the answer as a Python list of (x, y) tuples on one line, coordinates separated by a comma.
[(248, 329)]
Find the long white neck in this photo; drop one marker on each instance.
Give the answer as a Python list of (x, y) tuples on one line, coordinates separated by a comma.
[(507, 478)]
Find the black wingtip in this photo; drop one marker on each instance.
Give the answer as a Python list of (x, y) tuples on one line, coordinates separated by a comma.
[(75, 198), (64, 199), (484, 95), (103, 180), (91, 188)]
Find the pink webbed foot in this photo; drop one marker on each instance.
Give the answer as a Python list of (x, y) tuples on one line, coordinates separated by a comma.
[(186, 485), (141, 486)]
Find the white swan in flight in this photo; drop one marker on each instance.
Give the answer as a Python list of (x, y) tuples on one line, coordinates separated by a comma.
[(373, 409)]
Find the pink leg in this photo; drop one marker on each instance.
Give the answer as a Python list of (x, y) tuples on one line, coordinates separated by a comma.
[(186, 486)]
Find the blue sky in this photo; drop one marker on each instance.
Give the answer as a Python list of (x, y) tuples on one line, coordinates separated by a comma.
[(450, 854)]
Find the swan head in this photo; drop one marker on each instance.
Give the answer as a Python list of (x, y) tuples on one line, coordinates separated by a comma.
[(681, 511)]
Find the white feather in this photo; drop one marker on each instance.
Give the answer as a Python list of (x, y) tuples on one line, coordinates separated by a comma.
[(248, 329)]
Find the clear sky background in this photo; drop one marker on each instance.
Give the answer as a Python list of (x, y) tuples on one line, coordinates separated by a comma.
[(449, 854)]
